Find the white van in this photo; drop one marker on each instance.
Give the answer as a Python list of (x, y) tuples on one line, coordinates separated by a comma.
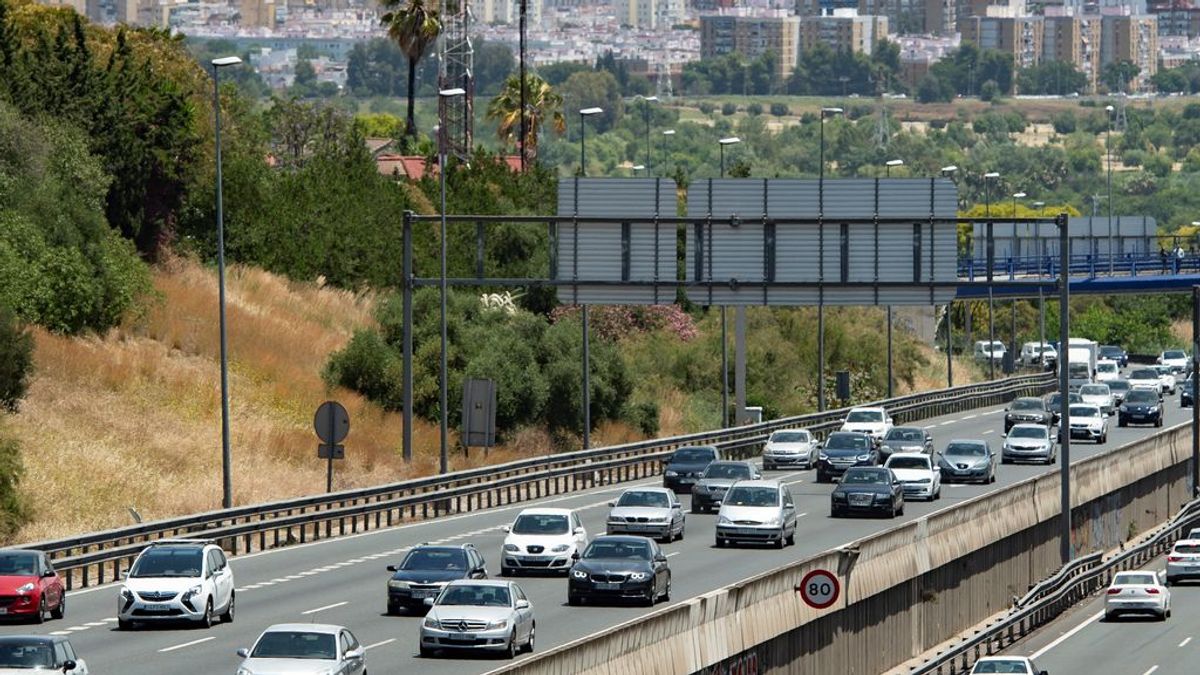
[(1038, 353), (993, 350)]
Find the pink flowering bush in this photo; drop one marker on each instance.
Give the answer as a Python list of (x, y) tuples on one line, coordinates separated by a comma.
[(613, 322)]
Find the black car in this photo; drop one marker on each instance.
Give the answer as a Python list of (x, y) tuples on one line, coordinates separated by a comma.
[(426, 570), (842, 450), (618, 567), (1141, 406), (867, 490), (1055, 409), (1027, 410), (905, 439), (41, 653), (1187, 393), (683, 468), (1114, 353)]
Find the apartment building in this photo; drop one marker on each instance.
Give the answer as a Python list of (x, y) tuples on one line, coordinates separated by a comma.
[(1131, 37), (652, 14), (1074, 39), (258, 13), (1020, 36), (843, 30), (941, 17), (752, 36)]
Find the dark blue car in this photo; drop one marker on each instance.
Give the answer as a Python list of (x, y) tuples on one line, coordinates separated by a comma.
[(845, 449)]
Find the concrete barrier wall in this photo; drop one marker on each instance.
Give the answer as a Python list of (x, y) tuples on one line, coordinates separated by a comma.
[(904, 590)]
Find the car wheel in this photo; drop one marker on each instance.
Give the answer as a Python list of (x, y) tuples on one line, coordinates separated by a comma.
[(206, 621), (1005, 460), (681, 529), (529, 643), (695, 508), (791, 538), (513, 649), (574, 600), (782, 541), (122, 624), (901, 511), (505, 571), (720, 543), (227, 616), (40, 617), (392, 610), (651, 596), (821, 477), (426, 652), (60, 611), (666, 596)]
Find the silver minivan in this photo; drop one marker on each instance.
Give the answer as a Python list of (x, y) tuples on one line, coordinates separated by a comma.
[(757, 512)]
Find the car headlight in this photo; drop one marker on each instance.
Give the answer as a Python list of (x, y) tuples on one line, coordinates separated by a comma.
[(774, 522), (1124, 409), (431, 622), (495, 625), (722, 520), (924, 481), (126, 594), (511, 547), (822, 456), (658, 520), (671, 474), (26, 588), (863, 458), (244, 671), (1154, 409), (192, 592), (616, 519), (882, 497), (561, 548), (639, 576), (398, 585), (579, 574)]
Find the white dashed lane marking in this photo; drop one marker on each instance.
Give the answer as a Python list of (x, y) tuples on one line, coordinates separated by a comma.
[(186, 644), (379, 644), (322, 609)]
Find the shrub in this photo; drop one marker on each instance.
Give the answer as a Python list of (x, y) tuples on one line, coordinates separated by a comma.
[(728, 109), (13, 512), (754, 109), (642, 415), (706, 107), (779, 109), (16, 360), (369, 366), (1064, 122)]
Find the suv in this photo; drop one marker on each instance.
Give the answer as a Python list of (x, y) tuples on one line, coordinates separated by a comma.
[(1115, 353), (874, 422), (425, 572), (177, 579), (1026, 410), (683, 468), (993, 350)]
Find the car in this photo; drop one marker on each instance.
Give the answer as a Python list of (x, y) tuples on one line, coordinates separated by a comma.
[(716, 479), (906, 439), (1118, 388), (1145, 377), (842, 450), (304, 649), (918, 475), (1187, 393), (1114, 353), (1038, 354), (1100, 396), (1183, 562), (756, 512), (1053, 406), (1028, 443), (790, 447), (867, 490), (1089, 422), (29, 586), (685, 465), (1027, 409), (1137, 592), (648, 511), (1107, 370), (480, 615), (1141, 406), (427, 569), (1166, 379), (1006, 664), (620, 568), (967, 461), (874, 422), (177, 579), (44, 653), (1175, 359), (994, 350), (542, 539)]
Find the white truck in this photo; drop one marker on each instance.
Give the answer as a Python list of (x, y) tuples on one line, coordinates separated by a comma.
[(1080, 362)]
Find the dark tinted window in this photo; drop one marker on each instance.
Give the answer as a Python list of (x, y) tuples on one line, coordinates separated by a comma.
[(864, 416), (1118, 386), (847, 442), (644, 498), (28, 655), (295, 645), (866, 478), (435, 559), (540, 523), (1027, 404), (169, 562), (1028, 432), (694, 455), (618, 550), (18, 564), (752, 496), (1174, 354), (1141, 397), (908, 463)]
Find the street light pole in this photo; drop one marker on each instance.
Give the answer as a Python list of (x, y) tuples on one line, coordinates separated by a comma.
[(666, 134), (646, 101), (724, 142), (443, 372), (586, 112), (1108, 156), (991, 263), (226, 451), (825, 112)]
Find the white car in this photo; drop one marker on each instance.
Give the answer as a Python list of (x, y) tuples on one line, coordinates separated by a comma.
[(304, 649), (1089, 422), (874, 422), (40, 653), (1166, 379), (177, 579), (1035, 353), (479, 615), (1183, 562), (994, 350), (918, 475), (790, 447), (1137, 593), (1145, 377), (1107, 370), (542, 540), (1176, 359), (1006, 664), (1100, 396)]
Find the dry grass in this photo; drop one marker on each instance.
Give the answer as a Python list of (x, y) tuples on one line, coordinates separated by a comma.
[(933, 375)]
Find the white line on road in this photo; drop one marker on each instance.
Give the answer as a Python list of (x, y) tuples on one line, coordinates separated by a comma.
[(970, 417), (989, 431), (322, 609), (186, 644), (1065, 636), (948, 423), (801, 515), (1152, 669), (379, 644), (675, 553), (1185, 641), (929, 427)]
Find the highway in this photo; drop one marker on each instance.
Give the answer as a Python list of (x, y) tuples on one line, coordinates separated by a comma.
[(343, 580)]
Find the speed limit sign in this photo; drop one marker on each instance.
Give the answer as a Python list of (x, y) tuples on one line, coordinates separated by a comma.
[(820, 589)]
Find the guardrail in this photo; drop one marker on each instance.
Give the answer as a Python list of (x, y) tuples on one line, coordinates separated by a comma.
[(1072, 584), (1080, 265), (101, 557)]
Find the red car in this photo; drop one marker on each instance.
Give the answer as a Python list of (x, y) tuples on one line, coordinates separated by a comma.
[(29, 586)]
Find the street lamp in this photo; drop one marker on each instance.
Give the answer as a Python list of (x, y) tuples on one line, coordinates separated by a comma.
[(1108, 152), (226, 453), (638, 167), (667, 133), (991, 259), (825, 112), (586, 112), (646, 101), (1012, 255), (443, 372), (724, 142), (893, 162)]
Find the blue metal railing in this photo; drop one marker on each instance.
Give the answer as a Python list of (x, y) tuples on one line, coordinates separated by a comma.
[(1090, 266)]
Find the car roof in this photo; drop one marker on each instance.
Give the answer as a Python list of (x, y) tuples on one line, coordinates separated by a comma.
[(907, 429), (731, 462), (327, 628), (499, 583), (31, 639), (1193, 542), (966, 441), (804, 429), (442, 547), (648, 488), (766, 482), (1031, 425), (629, 538), (987, 659), (848, 433), (905, 455), (868, 409), (545, 511)]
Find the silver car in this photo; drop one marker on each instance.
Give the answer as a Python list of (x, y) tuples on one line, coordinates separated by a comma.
[(757, 511), (649, 512), (479, 615), (1028, 443), (709, 491), (1100, 396), (790, 447), (304, 649)]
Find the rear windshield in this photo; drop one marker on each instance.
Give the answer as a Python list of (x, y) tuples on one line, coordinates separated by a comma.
[(694, 455), (1027, 432), (1145, 579), (1187, 548), (790, 437)]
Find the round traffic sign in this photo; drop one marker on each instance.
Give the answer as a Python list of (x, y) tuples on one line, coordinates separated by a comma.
[(820, 589), (332, 422)]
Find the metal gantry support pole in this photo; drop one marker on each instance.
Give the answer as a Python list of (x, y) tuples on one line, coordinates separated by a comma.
[(226, 451), (1064, 425), (443, 367), (1042, 327), (820, 355), (890, 378), (950, 344), (991, 334), (587, 382), (1013, 335), (1195, 380), (407, 292), (724, 370), (739, 364)]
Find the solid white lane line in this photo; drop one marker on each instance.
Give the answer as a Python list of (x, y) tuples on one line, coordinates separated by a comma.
[(60, 632), (95, 624), (948, 423), (1185, 641), (1065, 636), (322, 609), (186, 644), (1152, 669), (379, 644)]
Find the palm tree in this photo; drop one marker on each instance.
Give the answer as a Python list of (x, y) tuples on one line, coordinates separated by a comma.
[(414, 26), (543, 105)]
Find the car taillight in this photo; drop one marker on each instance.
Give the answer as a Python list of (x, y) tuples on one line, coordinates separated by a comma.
[(1152, 591), (1174, 558), (1114, 591)]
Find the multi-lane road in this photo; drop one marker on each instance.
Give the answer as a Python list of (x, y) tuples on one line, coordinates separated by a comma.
[(343, 580)]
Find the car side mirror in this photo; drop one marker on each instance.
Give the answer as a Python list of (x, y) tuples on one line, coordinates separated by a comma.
[(49, 574), (660, 558), (575, 556), (125, 574), (612, 503), (356, 653), (391, 568), (522, 604), (429, 602), (507, 528), (579, 530), (677, 506), (243, 652)]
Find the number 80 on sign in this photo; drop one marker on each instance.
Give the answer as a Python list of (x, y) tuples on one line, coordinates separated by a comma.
[(820, 589)]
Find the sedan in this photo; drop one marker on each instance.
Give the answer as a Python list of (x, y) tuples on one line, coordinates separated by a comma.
[(647, 512), (918, 475), (620, 568), (304, 649), (29, 586), (1183, 562), (1175, 359), (1100, 396), (685, 465), (426, 570), (1141, 406), (1137, 593), (906, 439), (716, 480), (968, 461), (480, 616), (1055, 408), (43, 653), (867, 490), (1089, 422), (1018, 665), (1118, 388), (1028, 443), (790, 447), (1115, 353), (844, 449), (1027, 409)]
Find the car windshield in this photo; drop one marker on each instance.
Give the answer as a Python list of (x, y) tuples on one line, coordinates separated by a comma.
[(18, 564), (1140, 578), (1118, 385), (169, 562), (847, 442), (868, 477), (1004, 666), (789, 437), (966, 449), (905, 434), (861, 416), (1027, 404), (752, 496), (1106, 367), (1174, 354), (727, 471), (540, 523), (479, 596), (435, 559), (16, 655), (1028, 432), (694, 455), (1085, 411), (1141, 397), (1094, 390), (1144, 374), (1107, 350), (618, 550), (644, 498), (1187, 548), (289, 644), (908, 463)]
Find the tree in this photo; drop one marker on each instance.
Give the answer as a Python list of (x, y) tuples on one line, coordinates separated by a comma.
[(542, 105), (931, 89), (306, 77), (1051, 77), (1117, 76), (16, 360), (414, 27), (594, 89), (494, 62)]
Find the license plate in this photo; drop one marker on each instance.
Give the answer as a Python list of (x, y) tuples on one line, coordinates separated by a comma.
[(423, 594), (607, 586), (157, 607), (462, 636), (746, 530), (3, 610), (538, 558), (687, 481)]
